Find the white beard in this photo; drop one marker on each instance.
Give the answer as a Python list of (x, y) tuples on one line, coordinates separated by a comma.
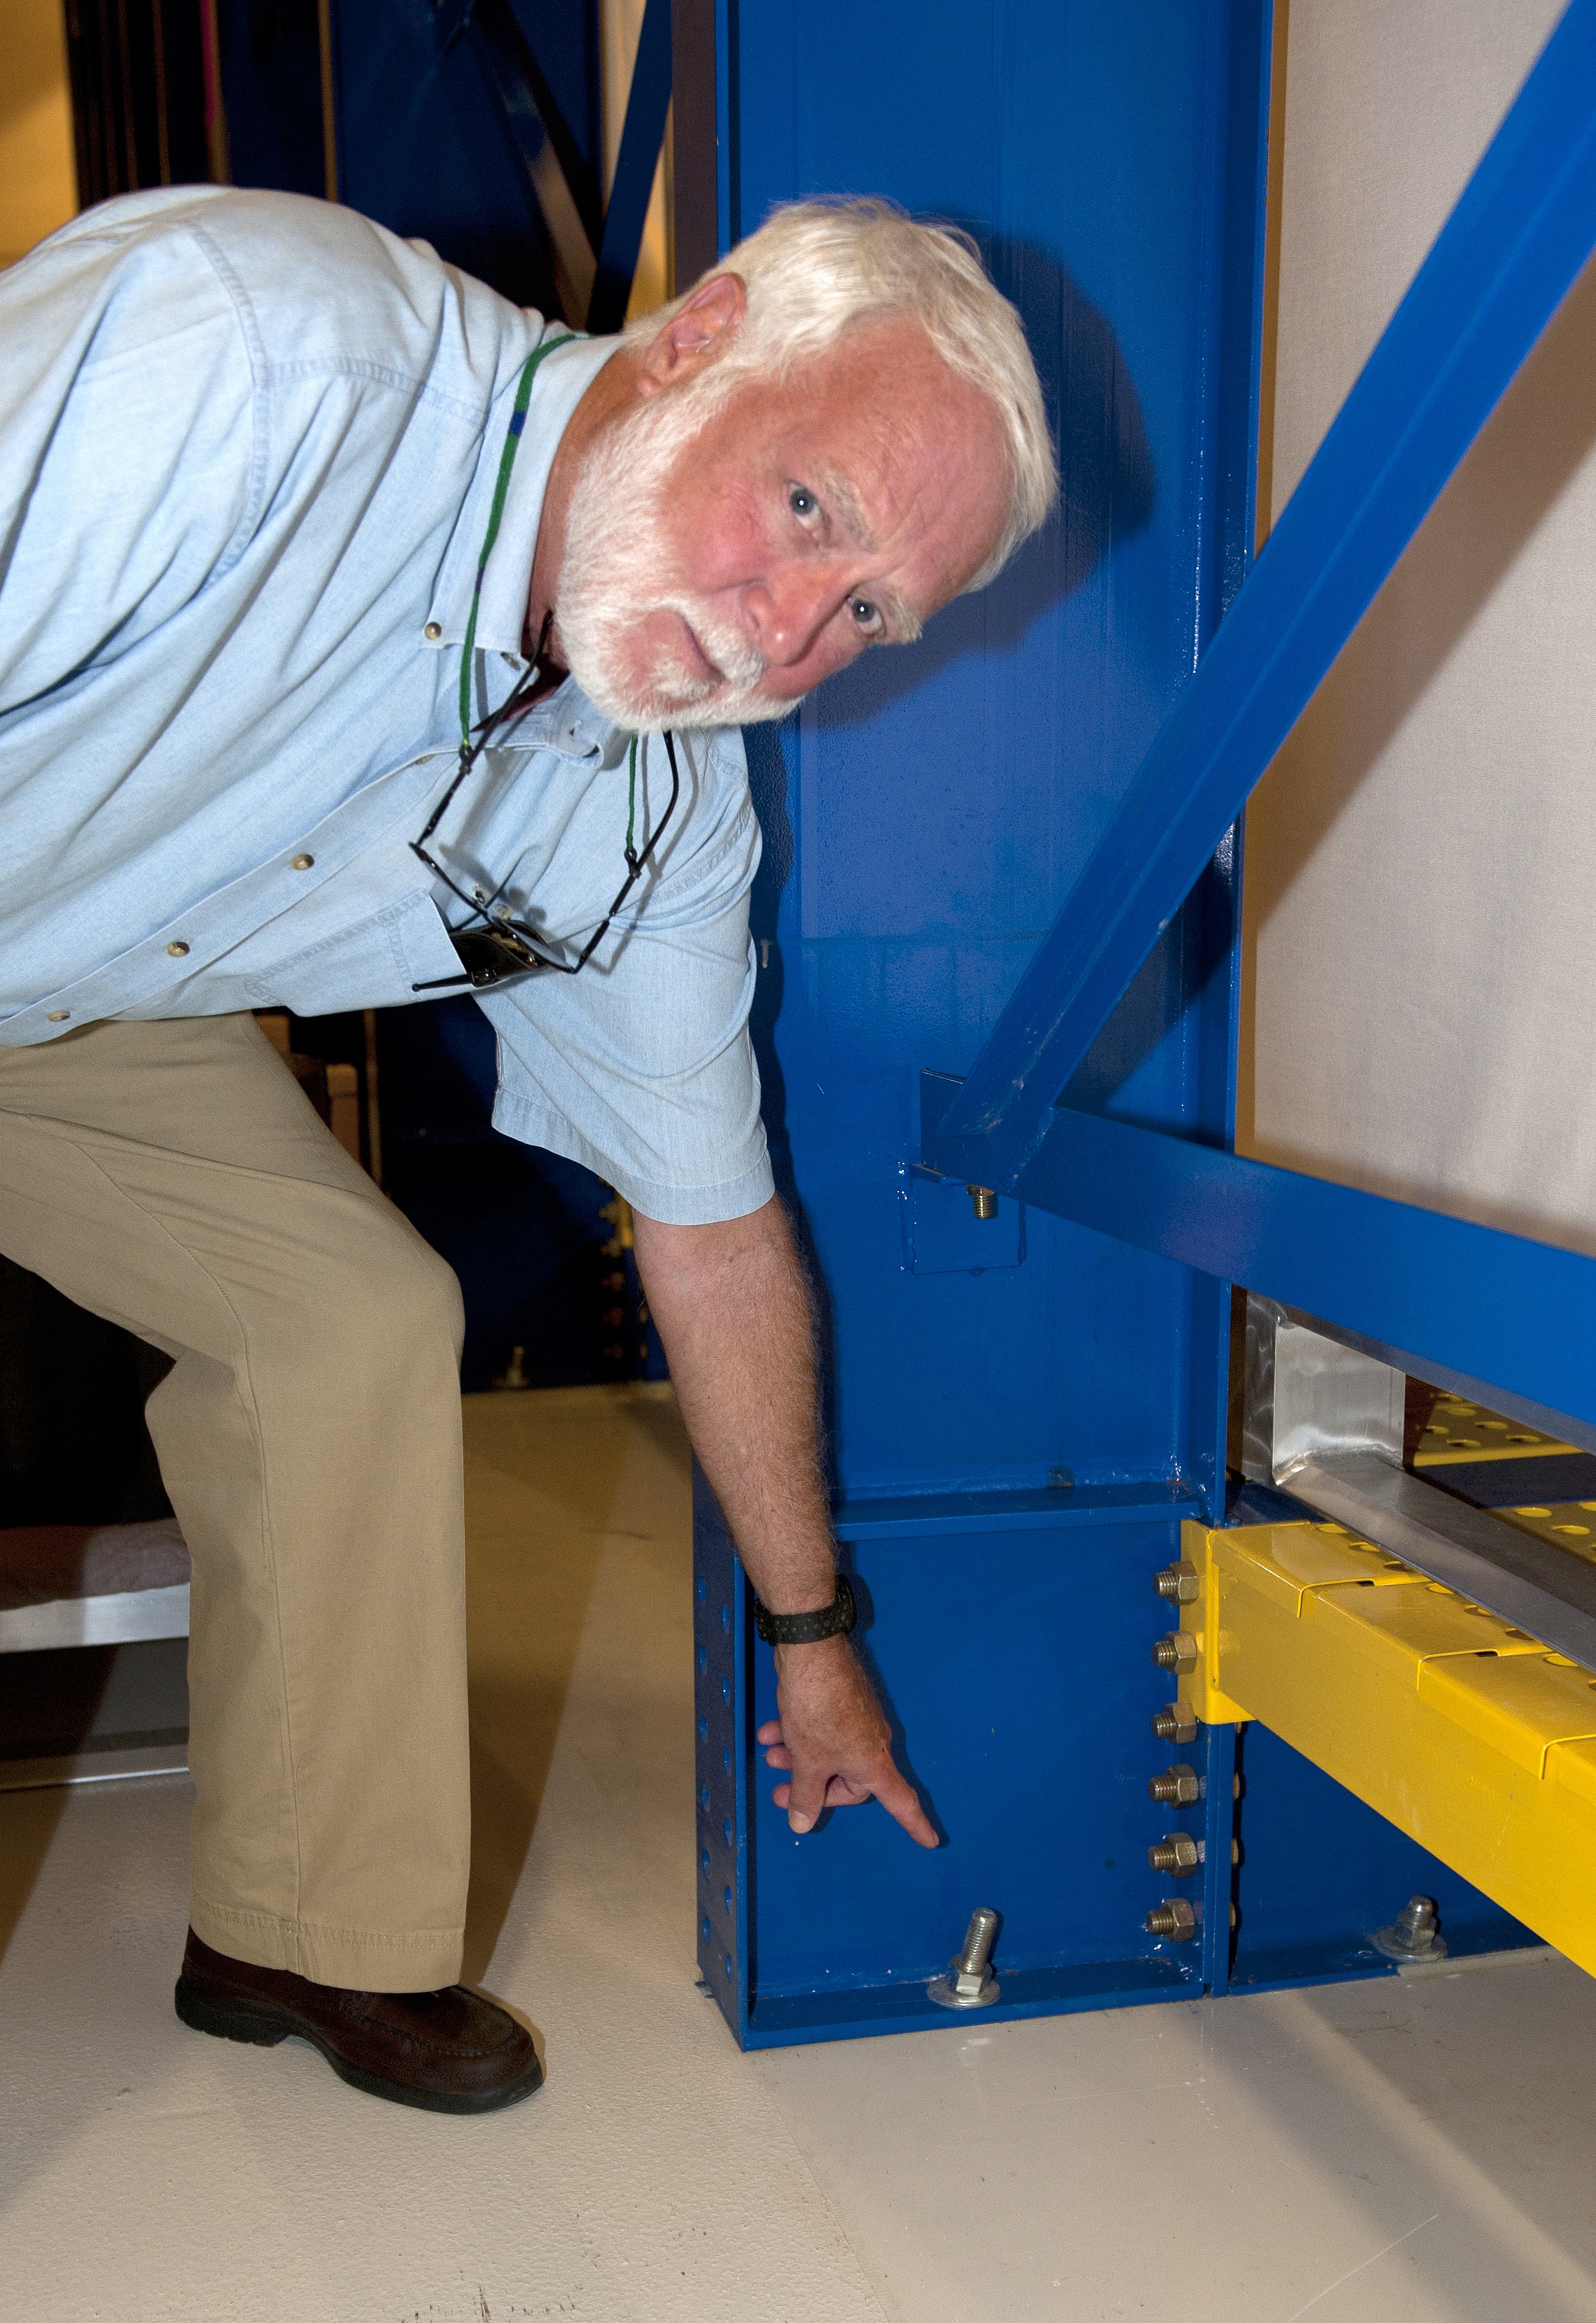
[(617, 570)]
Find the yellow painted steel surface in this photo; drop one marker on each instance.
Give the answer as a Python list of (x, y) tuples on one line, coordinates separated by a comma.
[(1567, 1525), (1464, 1731), (1463, 1434)]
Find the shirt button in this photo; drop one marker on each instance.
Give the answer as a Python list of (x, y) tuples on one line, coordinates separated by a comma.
[(178, 950), (58, 1015), (433, 632), (303, 862)]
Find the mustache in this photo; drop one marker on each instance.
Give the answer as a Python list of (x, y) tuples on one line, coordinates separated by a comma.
[(740, 665), (619, 568)]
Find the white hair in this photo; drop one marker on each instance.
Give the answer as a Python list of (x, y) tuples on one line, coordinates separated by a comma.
[(816, 271)]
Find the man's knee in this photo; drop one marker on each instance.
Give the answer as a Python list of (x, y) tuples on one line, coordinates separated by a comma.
[(417, 1303), (396, 1311)]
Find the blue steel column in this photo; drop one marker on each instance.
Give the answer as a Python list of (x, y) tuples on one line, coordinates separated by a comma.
[(1017, 1428), (719, 1681), (1220, 1825)]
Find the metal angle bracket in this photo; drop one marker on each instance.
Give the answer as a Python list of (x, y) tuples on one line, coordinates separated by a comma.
[(1322, 1421)]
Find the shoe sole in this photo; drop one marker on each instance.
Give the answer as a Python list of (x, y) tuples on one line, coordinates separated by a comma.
[(264, 2028)]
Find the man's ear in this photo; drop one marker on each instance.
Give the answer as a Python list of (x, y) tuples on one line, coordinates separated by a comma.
[(710, 312)]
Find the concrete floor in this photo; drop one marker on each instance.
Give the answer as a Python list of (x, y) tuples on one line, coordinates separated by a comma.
[(1421, 2150)]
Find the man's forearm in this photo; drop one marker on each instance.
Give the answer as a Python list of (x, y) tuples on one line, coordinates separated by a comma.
[(733, 1312)]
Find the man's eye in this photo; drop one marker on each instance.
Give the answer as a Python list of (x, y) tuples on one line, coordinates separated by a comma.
[(865, 613), (800, 500)]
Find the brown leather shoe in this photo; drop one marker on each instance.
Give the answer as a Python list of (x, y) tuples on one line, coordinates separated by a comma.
[(452, 2051)]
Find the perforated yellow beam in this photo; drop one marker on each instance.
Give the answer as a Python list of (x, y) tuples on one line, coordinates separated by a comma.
[(1464, 1732)]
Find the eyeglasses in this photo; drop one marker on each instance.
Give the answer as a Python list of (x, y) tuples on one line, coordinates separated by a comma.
[(502, 946)]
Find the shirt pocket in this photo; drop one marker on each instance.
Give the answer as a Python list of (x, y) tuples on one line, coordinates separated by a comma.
[(376, 962)]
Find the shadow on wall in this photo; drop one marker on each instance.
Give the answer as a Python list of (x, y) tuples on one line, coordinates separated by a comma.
[(1524, 461), (1106, 495), (1106, 475)]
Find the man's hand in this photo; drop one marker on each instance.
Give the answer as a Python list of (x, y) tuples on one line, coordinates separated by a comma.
[(832, 1737), (733, 1312)]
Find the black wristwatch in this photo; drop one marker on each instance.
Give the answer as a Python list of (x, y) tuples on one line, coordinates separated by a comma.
[(833, 1620)]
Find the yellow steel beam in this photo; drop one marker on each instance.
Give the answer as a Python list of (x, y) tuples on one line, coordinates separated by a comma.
[(1459, 1433), (1462, 1731)]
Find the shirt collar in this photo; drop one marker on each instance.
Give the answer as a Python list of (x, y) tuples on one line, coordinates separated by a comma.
[(562, 379)]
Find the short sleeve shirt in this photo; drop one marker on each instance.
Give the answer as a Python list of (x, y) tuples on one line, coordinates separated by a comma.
[(248, 445)]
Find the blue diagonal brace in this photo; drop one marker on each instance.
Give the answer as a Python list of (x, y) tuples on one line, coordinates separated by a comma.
[(562, 188), (641, 137), (1522, 230)]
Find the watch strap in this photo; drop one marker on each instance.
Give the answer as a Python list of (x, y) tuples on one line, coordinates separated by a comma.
[(833, 1621)]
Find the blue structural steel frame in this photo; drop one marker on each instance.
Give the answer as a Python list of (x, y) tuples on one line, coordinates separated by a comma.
[(1022, 1414), (542, 141), (1463, 1299), (1488, 1304)]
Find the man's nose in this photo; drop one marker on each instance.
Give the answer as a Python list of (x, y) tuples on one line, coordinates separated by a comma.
[(789, 609)]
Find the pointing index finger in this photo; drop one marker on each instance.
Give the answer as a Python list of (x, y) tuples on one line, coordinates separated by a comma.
[(902, 1801)]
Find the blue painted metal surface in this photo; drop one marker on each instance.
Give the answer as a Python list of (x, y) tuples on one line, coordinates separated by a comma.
[(920, 817), (722, 1638), (269, 64), (1319, 1871), (920, 812), (424, 145), (1494, 1305), (839, 1933), (1522, 230)]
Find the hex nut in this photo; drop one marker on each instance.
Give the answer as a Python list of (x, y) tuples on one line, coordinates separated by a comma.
[(1174, 1723), (1179, 1584), (1174, 1918), (1177, 1853), (1178, 1786), (1177, 1651)]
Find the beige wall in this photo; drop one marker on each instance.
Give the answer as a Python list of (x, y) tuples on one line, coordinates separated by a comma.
[(38, 181), (1420, 1006)]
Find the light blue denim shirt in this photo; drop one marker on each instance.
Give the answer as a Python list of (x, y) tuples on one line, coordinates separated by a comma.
[(248, 445)]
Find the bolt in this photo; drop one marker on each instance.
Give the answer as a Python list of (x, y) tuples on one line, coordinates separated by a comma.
[(1177, 1787), (970, 1983), (1178, 1583), (984, 1200), (1176, 1852), (1174, 1919), (1415, 1926), (1174, 1723), (977, 1949), (1177, 1651), (1415, 1933)]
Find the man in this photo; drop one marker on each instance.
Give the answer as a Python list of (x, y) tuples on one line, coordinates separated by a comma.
[(364, 639)]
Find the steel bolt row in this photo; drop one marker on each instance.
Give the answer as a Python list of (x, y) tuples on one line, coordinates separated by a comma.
[(1177, 1854)]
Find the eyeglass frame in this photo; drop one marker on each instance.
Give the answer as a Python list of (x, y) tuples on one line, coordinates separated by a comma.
[(503, 946)]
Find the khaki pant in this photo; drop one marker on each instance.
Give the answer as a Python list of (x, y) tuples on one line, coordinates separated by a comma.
[(172, 1177)]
